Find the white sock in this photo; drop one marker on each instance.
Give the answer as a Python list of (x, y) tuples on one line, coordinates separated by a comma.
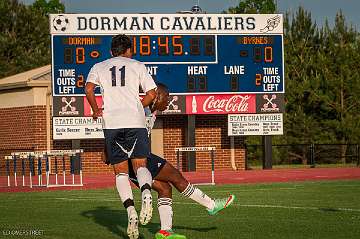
[(165, 212), (145, 180), (124, 189), (198, 196)]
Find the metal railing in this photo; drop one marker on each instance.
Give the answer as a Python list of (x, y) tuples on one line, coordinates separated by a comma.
[(306, 155)]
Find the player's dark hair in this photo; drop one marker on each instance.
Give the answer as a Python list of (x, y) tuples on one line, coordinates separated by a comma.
[(120, 44)]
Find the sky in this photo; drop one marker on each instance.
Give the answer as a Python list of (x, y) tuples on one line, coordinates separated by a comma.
[(319, 9)]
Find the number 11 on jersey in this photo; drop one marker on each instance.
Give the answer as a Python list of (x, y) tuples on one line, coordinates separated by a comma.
[(113, 75)]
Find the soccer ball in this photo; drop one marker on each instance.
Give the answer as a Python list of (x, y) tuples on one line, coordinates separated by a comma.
[(196, 9), (60, 23)]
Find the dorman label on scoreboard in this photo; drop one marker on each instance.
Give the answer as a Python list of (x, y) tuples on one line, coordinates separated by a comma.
[(169, 23)]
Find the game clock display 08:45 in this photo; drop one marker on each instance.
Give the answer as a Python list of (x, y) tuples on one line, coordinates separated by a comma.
[(187, 64)]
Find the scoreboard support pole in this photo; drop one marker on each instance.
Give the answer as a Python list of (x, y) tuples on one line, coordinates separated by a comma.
[(267, 151), (190, 142), (75, 145)]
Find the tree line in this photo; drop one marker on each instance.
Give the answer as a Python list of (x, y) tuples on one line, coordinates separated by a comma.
[(322, 73)]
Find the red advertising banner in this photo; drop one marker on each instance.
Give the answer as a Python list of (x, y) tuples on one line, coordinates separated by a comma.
[(87, 107), (221, 104), (205, 104)]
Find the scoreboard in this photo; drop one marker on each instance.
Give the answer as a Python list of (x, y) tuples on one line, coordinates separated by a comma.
[(185, 63), (198, 56), (195, 61)]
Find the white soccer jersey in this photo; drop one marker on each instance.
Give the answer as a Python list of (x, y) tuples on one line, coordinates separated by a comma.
[(119, 79)]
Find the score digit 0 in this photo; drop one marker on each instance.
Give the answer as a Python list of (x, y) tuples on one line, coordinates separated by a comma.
[(268, 54), (79, 55)]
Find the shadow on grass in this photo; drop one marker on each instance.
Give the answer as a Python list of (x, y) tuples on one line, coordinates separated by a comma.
[(113, 220), (116, 222), (329, 209)]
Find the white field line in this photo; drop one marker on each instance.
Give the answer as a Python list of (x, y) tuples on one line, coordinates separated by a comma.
[(298, 207), (236, 205), (251, 190)]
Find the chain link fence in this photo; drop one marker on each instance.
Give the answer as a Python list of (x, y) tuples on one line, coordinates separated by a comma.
[(305, 155)]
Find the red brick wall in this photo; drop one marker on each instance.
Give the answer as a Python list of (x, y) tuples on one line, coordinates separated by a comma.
[(210, 131), (174, 136), (21, 129), (92, 156), (24, 129)]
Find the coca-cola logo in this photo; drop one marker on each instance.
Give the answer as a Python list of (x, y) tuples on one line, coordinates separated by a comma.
[(220, 104), (236, 103)]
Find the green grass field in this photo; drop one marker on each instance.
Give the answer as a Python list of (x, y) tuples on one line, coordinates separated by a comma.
[(322, 209)]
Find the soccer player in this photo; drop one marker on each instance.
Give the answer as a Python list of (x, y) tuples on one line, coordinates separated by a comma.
[(119, 79), (164, 173)]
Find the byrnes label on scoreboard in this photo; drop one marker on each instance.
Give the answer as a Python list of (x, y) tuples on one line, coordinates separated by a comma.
[(255, 124)]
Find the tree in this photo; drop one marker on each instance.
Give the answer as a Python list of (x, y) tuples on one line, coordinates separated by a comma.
[(300, 74), (341, 81), (46, 7), (322, 79), (24, 37), (253, 6)]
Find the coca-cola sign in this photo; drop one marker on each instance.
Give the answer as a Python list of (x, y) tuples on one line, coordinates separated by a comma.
[(221, 104)]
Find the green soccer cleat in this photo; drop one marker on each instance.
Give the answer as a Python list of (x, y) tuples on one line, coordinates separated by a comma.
[(221, 204), (168, 234)]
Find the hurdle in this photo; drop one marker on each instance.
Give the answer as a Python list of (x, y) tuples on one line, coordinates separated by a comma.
[(43, 159), (196, 149), (8, 158), (30, 157), (62, 154)]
